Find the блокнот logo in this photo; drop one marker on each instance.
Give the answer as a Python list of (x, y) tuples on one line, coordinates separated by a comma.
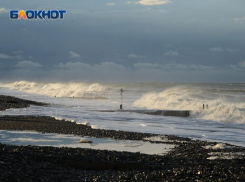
[(37, 14)]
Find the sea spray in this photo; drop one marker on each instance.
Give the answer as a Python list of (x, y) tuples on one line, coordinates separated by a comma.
[(216, 107), (226, 105), (55, 89)]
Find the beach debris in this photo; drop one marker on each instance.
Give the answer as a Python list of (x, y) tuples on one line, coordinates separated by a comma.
[(85, 141), (217, 146), (215, 158)]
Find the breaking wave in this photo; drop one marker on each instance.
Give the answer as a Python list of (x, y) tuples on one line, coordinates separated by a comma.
[(55, 89), (220, 107)]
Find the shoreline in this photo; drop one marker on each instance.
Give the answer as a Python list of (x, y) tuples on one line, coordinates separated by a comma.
[(8, 102), (187, 161)]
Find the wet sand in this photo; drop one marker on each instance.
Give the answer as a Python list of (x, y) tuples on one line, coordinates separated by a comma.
[(186, 162)]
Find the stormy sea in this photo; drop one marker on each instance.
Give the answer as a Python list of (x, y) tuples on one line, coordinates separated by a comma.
[(217, 111)]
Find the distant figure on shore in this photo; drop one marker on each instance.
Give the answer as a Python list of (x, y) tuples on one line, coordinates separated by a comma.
[(204, 106), (121, 105)]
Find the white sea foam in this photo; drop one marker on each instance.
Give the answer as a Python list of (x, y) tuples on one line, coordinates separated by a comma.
[(223, 121), (180, 98), (94, 126), (58, 118), (55, 89), (65, 119), (85, 123)]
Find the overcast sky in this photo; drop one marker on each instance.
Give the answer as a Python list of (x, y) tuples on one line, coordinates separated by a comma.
[(115, 40)]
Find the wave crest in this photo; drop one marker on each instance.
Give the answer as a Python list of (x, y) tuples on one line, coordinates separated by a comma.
[(56, 89), (179, 98)]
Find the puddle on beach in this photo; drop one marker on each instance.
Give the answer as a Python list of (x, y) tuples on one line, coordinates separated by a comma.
[(57, 140)]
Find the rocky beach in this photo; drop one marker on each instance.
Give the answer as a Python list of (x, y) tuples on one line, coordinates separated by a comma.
[(189, 160)]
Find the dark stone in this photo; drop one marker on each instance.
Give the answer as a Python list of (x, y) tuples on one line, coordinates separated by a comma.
[(186, 162)]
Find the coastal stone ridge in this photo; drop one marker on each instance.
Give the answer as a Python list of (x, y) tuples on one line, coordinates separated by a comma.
[(8, 102), (46, 124)]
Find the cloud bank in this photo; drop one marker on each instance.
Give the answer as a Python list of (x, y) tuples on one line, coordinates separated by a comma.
[(110, 4), (109, 72), (28, 65), (5, 56)]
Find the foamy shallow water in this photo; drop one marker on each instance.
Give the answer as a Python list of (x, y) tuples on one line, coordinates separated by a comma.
[(224, 121), (57, 140)]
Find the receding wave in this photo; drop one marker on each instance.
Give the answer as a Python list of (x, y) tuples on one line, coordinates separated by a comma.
[(179, 98), (56, 89)]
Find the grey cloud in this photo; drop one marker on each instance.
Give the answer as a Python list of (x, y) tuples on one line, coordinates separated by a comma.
[(74, 66), (29, 65), (171, 53), (242, 64), (17, 52), (110, 66), (219, 49), (230, 50), (216, 49), (110, 4), (172, 67), (105, 66), (74, 55), (176, 44), (135, 56), (239, 19), (18, 56), (109, 71), (147, 65), (5, 56)]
